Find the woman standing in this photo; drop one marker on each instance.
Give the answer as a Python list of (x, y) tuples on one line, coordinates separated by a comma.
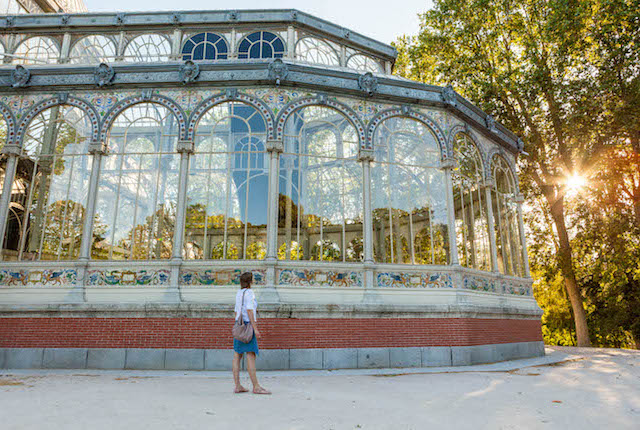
[(246, 305)]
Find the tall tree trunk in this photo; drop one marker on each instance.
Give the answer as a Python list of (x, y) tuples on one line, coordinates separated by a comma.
[(566, 267)]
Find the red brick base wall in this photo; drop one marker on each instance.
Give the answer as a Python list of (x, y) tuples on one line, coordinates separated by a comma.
[(277, 333)]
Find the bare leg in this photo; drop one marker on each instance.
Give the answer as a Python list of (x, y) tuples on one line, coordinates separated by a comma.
[(236, 373), (251, 368)]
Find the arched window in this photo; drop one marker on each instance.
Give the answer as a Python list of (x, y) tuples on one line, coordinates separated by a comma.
[(505, 214), (93, 49), (364, 63), (320, 188), (261, 44), (470, 206), (147, 48), (408, 195), (227, 191), (3, 141), (317, 51), (49, 193), (205, 46), (138, 186), (37, 50)]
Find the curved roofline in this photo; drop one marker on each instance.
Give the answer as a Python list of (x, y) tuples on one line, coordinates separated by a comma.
[(198, 18)]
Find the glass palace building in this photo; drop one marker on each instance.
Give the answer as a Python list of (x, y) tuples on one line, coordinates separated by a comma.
[(148, 159)]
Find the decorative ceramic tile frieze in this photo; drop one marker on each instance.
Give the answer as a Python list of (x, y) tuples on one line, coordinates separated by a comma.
[(516, 289), (44, 277), (413, 280), (128, 277), (478, 283), (220, 277), (319, 278)]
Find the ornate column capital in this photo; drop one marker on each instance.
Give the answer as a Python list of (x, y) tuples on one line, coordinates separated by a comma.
[(185, 147), (489, 183), (275, 145), (365, 155), (11, 149), (97, 148), (519, 198), (449, 164)]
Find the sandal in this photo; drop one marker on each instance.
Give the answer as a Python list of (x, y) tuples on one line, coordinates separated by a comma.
[(261, 390), (241, 389)]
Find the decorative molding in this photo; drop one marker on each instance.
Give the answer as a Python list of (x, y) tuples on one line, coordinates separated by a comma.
[(205, 277), (275, 145), (413, 280), (465, 129), (104, 75), (20, 76), (400, 112), (186, 146), (278, 71), (64, 19), (368, 83), (128, 277), (189, 72), (490, 122), (10, 121), (319, 278), (449, 96), (314, 101), (96, 147)]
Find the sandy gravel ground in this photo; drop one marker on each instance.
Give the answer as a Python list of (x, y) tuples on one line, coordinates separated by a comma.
[(591, 389)]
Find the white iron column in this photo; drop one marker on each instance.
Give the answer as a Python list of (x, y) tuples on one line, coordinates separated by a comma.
[(523, 240), (97, 150), (291, 42), (274, 147), (492, 231), (366, 157), (176, 44), (185, 148), (448, 165), (12, 152)]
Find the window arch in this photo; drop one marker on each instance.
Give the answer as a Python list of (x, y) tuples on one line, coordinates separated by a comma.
[(147, 48), (138, 186), (228, 185), (261, 44), (314, 50), (408, 194), (37, 50), (320, 188), (505, 213), (470, 205), (364, 63), (93, 49), (49, 194), (205, 46)]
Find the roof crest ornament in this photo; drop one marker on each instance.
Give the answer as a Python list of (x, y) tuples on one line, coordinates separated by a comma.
[(490, 123), (449, 96)]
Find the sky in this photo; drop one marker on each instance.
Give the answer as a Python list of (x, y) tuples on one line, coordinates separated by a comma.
[(383, 20)]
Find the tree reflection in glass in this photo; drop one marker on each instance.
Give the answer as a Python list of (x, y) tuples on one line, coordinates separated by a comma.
[(408, 195), (227, 188), (320, 188), (49, 191)]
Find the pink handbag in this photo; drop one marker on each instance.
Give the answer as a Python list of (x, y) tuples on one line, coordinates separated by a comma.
[(241, 331)]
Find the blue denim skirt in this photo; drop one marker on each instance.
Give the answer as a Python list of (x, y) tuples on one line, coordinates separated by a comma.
[(251, 346)]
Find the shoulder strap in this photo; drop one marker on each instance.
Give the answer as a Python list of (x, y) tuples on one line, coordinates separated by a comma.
[(242, 306)]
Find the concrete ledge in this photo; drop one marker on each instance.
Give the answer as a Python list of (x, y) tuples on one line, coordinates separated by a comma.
[(269, 359), (105, 358), (65, 358)]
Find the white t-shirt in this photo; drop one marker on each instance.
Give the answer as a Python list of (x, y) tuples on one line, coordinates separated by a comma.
[(249, 303)]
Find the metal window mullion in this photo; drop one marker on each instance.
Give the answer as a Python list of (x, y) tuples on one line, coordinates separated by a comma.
[(411, 238), (246, 205), (5, 201), (464, 222), (431, 243), (205, 243), (117, 203), (472, 231), (344, 221), (389, 193), (155, 204), (66, 206), (28, 209), (135, 209)]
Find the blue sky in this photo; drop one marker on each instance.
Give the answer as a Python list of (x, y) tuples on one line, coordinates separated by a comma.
[(383, 20)]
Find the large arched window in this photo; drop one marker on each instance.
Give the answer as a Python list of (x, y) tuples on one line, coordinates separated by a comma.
[(93, 49), (49, 192), (138, 186), (3, 141), (228, 186), (320, 197), (317, 51), (37, 50), (147, 48), (408, 195), (205, 46), (470, 206), (261, 44), (505, 213)]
